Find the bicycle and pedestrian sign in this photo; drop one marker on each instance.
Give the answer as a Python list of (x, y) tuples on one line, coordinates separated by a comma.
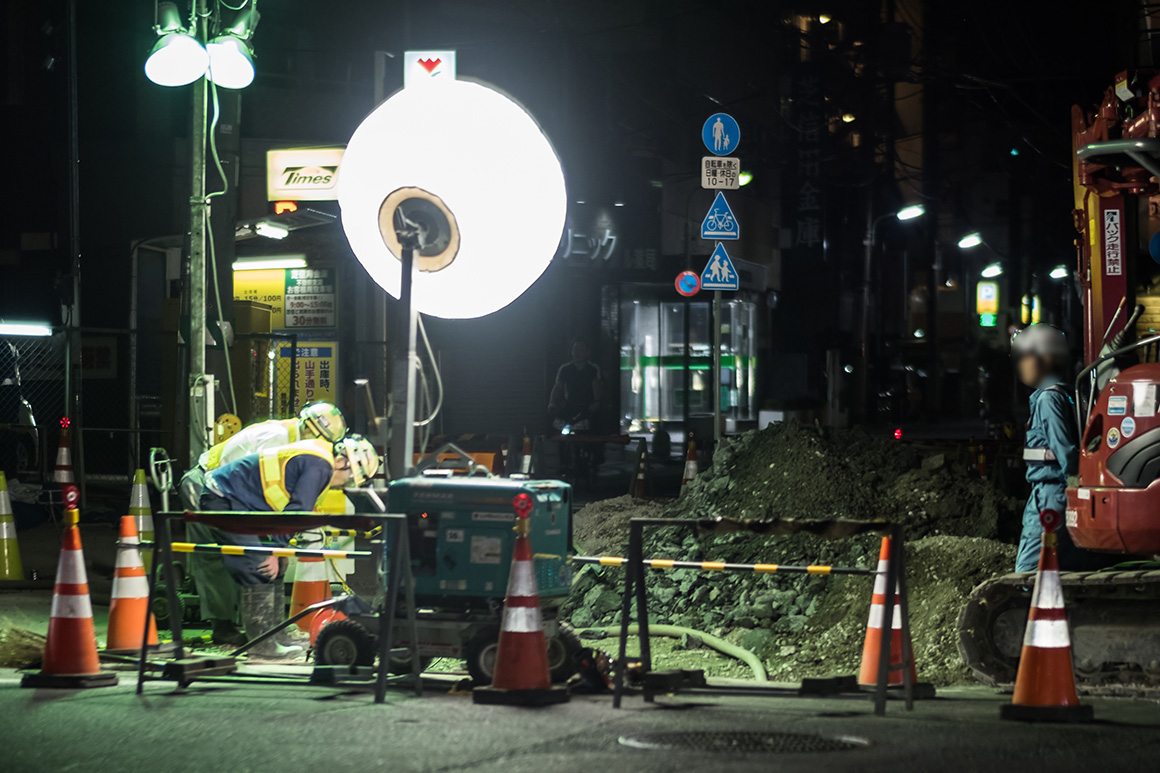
[(719, 222), (719, 273)]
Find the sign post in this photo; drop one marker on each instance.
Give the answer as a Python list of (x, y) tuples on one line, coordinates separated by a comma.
[(721, 136)]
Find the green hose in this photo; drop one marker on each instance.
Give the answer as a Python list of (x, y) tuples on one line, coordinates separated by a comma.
[(722, 646)]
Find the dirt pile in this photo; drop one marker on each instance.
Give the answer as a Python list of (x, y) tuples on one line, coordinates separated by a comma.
[(805, 625), (805, 472)]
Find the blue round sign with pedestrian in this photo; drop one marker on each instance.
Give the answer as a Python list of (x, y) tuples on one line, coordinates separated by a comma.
[(721, 134)]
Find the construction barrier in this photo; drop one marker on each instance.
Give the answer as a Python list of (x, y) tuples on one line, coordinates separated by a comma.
[(257, 550), (890, 575), (722, 566), (353, 532)]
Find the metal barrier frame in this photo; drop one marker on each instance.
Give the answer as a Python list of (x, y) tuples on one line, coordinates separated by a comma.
[(634, 579), (396, 568)]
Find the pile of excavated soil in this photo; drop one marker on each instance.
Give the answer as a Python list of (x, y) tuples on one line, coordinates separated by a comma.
[(814, 473), (601, 528), (806, 625)]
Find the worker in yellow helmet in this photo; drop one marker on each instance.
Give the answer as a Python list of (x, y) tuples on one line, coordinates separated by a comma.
[(289, 478), (215, 588)]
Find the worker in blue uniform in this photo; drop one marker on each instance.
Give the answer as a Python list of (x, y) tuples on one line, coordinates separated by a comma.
[(288, 478), (1050, 452)]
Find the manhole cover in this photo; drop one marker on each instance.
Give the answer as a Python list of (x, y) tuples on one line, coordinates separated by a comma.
[(745, 742)]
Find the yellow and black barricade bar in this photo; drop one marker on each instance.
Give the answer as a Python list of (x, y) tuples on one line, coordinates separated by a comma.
[(723, 566), (353, 532), (256, 550)]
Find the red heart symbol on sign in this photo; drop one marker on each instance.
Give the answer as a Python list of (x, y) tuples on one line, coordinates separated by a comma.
[(430, 64)]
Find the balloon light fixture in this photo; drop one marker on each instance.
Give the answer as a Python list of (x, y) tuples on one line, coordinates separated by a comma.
[(473, 153)]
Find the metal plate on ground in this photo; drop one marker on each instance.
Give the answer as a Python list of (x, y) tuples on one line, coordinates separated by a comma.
[(741, 742)]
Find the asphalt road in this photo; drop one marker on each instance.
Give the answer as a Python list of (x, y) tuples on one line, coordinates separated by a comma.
[(291, 728)]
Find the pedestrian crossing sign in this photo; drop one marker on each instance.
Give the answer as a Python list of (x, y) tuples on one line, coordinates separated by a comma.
[(719, 273), (719, 222)]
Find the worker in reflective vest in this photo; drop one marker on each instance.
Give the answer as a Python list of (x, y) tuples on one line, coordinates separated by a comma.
[(219, 595), (1050, 450), (290, 478)]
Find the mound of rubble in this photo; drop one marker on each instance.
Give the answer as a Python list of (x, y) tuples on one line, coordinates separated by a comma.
[(805, 625)]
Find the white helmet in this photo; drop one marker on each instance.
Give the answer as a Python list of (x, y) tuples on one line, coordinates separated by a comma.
[(1040, 339), (361, 456), (324, 420)]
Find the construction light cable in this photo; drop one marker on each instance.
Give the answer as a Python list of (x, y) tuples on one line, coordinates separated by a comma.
[(434, 370), (211, 241)]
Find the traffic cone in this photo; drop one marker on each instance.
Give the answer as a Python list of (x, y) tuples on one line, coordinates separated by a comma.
[(311, 585), (872, 648), (70, 655), (10, 566), (1045, 684), (62, 475), (130, 595), (521, 661), (140, 510), (638, 485), (691, 467)]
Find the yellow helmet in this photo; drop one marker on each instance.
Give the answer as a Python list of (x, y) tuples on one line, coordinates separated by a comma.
[(323, 420), (362, 457)]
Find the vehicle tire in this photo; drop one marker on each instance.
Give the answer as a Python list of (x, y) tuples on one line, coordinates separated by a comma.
[(479, 652), (160, 606), (344, 643), (562, 650), (403, 665)]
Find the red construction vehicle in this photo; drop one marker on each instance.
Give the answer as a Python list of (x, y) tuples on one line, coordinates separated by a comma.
[(1114, 502)]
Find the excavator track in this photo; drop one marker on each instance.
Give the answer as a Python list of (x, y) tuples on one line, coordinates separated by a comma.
[(1113, 616)]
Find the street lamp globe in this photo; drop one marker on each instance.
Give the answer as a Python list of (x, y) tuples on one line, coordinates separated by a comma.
[(970, 240), (911, 212), (231, 64)]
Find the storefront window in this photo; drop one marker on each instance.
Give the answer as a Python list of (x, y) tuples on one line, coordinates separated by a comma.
[(653, 361)]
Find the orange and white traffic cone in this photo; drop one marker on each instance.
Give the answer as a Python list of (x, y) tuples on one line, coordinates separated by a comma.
[(62, 475), (130, 595), (70, 655), (691, 467), (639, 484), (140, 510), (10, 566), (311, 585), (1045, 684), (521, 674), (872, 649)]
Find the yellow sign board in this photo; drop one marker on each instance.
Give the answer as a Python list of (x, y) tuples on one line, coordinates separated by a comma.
[(987, 298), (315, 374), (266, 286)]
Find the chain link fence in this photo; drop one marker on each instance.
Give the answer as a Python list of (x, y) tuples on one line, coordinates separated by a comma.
[(271, 375)]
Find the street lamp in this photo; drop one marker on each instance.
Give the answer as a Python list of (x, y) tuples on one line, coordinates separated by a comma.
[(1059, 272), (744, 178), (970, 241), (182, 57), (991, 271), (906, 213)]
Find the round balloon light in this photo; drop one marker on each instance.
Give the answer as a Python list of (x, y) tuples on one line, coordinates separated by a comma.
[(482, 156)]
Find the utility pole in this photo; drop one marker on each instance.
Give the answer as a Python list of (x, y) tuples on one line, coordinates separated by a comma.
[(200, 385)]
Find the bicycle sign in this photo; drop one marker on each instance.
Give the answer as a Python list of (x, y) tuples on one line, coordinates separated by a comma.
[(719, 222)]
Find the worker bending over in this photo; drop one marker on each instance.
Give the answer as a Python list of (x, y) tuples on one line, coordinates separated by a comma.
[(218, 592), (1050, 449), (290, 478)]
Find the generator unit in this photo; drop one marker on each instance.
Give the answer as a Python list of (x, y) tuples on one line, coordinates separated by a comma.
[(461, 534)]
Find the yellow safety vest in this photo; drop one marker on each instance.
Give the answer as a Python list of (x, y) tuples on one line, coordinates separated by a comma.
[(332, 501), (214, 458), (272, 465)]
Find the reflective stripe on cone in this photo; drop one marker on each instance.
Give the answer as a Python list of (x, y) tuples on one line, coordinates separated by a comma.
[(130, 594)]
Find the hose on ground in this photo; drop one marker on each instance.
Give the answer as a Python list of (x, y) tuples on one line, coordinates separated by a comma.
[(722, 646)]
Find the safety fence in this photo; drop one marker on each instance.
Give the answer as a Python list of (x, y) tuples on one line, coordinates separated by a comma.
[(87, 380), (891, 578), (271, 375)]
